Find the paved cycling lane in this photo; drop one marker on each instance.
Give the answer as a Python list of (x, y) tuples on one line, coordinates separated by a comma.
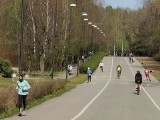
[(119, 101), (106, 98)]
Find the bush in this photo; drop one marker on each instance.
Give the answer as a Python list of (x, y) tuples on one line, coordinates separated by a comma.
[(39, 89), (92, 63), (6, 68), (42, 88), (157, 57)]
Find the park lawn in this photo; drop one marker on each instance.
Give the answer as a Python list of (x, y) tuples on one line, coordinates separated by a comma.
[(151, 64), (4, 82)]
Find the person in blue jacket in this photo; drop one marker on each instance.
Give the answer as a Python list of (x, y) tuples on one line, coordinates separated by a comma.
[(89, 74), (23, 87)]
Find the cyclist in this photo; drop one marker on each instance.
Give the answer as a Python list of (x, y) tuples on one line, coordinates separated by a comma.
[(119, 70), (101, 65), (138, 79)]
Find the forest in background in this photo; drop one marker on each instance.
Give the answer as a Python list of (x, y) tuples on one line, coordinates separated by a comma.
[(48, 32)]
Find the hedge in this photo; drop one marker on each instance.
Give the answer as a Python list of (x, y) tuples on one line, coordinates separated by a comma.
[(5, 68), (92, 63)]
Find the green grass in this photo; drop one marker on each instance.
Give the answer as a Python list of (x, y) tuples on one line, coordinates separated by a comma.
[(152, 64), (70, 84), (4, 82), (93, 62)]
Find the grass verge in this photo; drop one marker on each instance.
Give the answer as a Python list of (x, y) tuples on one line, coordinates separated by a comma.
[(70, 84), (60, 88), (150, 63), (93, 62)]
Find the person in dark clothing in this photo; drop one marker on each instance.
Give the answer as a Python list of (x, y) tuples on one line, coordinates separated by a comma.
[(138, 79)]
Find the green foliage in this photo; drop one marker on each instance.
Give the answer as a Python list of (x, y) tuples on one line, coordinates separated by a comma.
[(5, 68), (92, 63)]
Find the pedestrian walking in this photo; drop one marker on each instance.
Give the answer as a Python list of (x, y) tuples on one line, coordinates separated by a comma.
[(89, 74), (22, 87), (146, 72)]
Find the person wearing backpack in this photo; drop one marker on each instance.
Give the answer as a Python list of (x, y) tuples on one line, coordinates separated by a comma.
[(22, 87), (138, 79)]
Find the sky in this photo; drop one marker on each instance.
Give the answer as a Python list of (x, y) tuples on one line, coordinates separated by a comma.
[(132, 4)]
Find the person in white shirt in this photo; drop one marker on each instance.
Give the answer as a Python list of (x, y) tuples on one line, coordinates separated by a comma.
[(101, 65)]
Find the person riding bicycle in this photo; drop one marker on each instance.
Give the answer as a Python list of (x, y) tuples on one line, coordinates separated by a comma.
[(138, 79), (119, 70), (101, 65)]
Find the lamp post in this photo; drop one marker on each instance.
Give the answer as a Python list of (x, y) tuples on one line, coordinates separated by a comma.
[(84, 35), (54, 38), (21, 40), (83, 30), (80, 41), (69, 37), (94, 42), (89, 38)]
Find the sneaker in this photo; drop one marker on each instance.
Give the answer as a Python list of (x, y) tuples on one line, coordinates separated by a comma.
[(19, 114), (149, 79), (90, 82)]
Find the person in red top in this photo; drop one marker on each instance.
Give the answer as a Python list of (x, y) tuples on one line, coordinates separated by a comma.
[(146, 72)]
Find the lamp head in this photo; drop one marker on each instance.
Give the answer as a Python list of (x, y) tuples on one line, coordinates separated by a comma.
[(72, 5)]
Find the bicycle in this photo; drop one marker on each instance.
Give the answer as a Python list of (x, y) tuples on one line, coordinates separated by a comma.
[(101, 67), (138, 88), (118, 74)]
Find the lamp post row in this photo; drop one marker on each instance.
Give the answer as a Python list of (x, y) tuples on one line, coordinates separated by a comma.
[(68, 40)]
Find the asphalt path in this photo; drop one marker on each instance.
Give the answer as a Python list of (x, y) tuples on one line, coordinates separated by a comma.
[(105, 98)]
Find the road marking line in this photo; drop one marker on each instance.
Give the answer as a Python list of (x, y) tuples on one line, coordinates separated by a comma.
[(156, 105), (86, 107)]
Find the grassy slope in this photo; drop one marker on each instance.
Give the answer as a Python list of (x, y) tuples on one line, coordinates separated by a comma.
[(151, 64), (70, 84)]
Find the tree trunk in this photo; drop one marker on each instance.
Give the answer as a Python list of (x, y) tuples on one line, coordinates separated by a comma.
[(42, 62)]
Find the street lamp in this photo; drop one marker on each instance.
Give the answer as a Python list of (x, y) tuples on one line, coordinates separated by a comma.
[(84, 14), (84, 35), (55, 38), (89, 37), (72, 5), (69, 37), (85, 19), (80, 41), (21, 40)]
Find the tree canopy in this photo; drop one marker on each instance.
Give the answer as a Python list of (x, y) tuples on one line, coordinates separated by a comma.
[(55, 32)]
